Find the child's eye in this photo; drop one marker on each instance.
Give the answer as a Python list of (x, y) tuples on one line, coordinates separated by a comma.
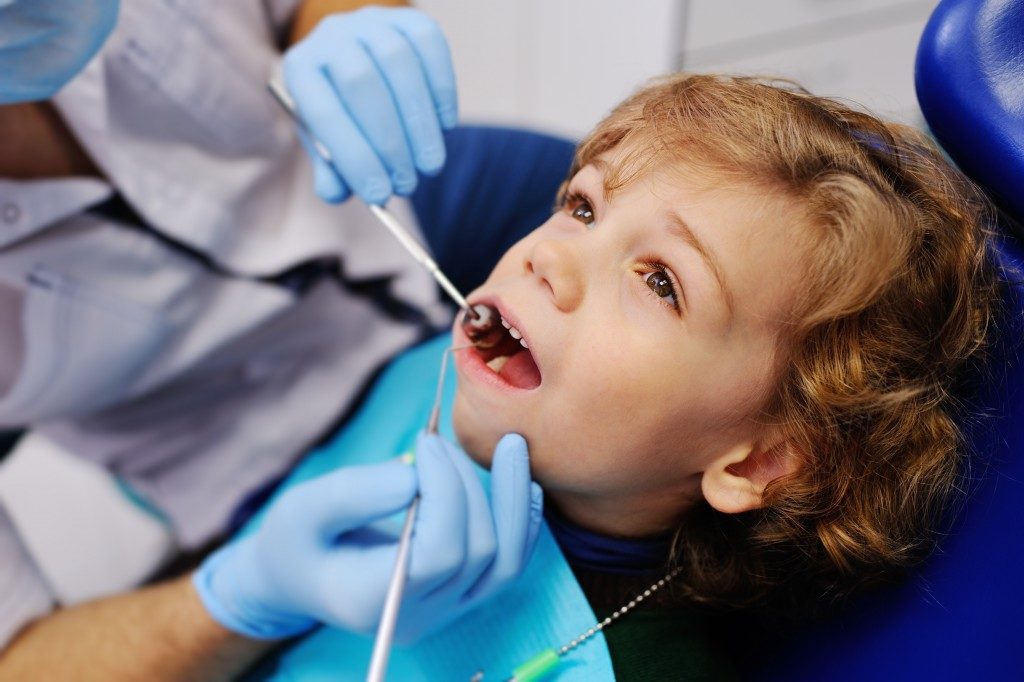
[(661, 284), (580, 208), (583, 213)]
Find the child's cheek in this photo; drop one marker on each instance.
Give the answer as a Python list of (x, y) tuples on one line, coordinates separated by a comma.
[(474, 437)]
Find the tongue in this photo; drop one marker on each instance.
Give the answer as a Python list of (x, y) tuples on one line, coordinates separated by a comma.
[(521, 371)]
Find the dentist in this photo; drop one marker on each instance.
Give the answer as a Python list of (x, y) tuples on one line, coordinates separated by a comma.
[(177, 306)]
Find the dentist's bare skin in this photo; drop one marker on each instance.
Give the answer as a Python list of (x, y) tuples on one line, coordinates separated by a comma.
[(157, 633), (38, 144)]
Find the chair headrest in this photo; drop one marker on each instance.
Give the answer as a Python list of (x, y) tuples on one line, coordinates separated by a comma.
[(970, 85)]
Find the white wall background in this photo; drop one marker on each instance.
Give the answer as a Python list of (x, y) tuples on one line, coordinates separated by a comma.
[(559, 65), (556, 65)]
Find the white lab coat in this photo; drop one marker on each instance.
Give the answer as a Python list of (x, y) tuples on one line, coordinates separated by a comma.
[(166, 356)]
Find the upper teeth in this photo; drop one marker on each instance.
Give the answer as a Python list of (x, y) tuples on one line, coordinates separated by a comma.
[(514, 333)]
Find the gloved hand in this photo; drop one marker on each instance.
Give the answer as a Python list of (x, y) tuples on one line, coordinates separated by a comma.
[(314, 560), (488, 545), (375, 86)]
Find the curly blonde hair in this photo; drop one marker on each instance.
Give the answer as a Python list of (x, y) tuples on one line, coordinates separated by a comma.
[(898, 297)]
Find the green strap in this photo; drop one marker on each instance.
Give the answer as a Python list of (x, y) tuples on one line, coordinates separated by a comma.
[(537, 667)]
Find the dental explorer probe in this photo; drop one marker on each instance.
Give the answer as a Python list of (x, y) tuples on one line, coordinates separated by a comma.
[(479, 322), (393, 599), (382, 214), (481, 325)]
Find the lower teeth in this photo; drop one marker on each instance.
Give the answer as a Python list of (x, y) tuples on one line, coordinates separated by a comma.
[(497, 363)]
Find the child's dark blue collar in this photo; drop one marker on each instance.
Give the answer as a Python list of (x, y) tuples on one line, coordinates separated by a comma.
[(594, 552)]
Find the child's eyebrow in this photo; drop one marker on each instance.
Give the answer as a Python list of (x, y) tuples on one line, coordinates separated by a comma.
[(678, 228)]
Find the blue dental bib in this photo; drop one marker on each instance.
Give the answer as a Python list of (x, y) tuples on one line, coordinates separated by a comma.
[(545, 608)]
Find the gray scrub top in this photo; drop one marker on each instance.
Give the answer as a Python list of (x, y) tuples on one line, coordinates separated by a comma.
[(165, 354)]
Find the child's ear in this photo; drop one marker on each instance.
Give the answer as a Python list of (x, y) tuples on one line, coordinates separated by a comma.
[(735, 482)]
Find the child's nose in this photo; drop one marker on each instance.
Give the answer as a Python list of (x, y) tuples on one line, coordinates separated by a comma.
[(556, 265)]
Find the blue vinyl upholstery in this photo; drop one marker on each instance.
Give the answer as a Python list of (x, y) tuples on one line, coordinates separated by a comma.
[(970, 84)]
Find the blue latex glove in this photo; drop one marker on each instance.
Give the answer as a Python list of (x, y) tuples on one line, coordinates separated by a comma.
[(375, 86), (313, 559), (45, 43), (489, 542)]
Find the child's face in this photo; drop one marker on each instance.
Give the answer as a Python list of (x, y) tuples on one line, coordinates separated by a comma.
[(654, 320)]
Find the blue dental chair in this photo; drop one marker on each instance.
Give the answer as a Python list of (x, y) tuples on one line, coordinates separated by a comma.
[(961, 617)]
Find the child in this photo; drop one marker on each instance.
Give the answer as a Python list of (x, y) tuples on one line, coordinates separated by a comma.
[(731, 350)]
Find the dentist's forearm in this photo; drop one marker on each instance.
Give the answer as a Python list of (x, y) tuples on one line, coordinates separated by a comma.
[(157, 633), (310, 12)]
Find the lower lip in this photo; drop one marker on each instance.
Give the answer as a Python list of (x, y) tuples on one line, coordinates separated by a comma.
[(472, 366)]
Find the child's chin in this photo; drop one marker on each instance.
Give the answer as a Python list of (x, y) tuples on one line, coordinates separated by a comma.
[(480, 450), (476, 441)]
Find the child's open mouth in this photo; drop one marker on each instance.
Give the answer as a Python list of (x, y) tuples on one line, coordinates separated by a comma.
[(511, 358)]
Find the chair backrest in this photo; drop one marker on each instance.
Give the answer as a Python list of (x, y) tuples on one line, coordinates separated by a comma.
[(960, 617)]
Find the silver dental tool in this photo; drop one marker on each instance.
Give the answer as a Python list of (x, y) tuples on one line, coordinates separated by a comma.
[(383, 215), (389, 614), (481, 324)]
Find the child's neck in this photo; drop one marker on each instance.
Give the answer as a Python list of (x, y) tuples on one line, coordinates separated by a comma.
[(631, 516), (591, 551)]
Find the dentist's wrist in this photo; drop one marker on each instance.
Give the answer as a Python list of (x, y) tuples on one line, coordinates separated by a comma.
[(226, 583)]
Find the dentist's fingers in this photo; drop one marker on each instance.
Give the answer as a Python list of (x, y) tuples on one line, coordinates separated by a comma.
[(482, 541), (320, 106), (440, 534), (350, 599), (426, 37), (356, 71), (326, 182), (397, 61), (347, 498), (513, 511)]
